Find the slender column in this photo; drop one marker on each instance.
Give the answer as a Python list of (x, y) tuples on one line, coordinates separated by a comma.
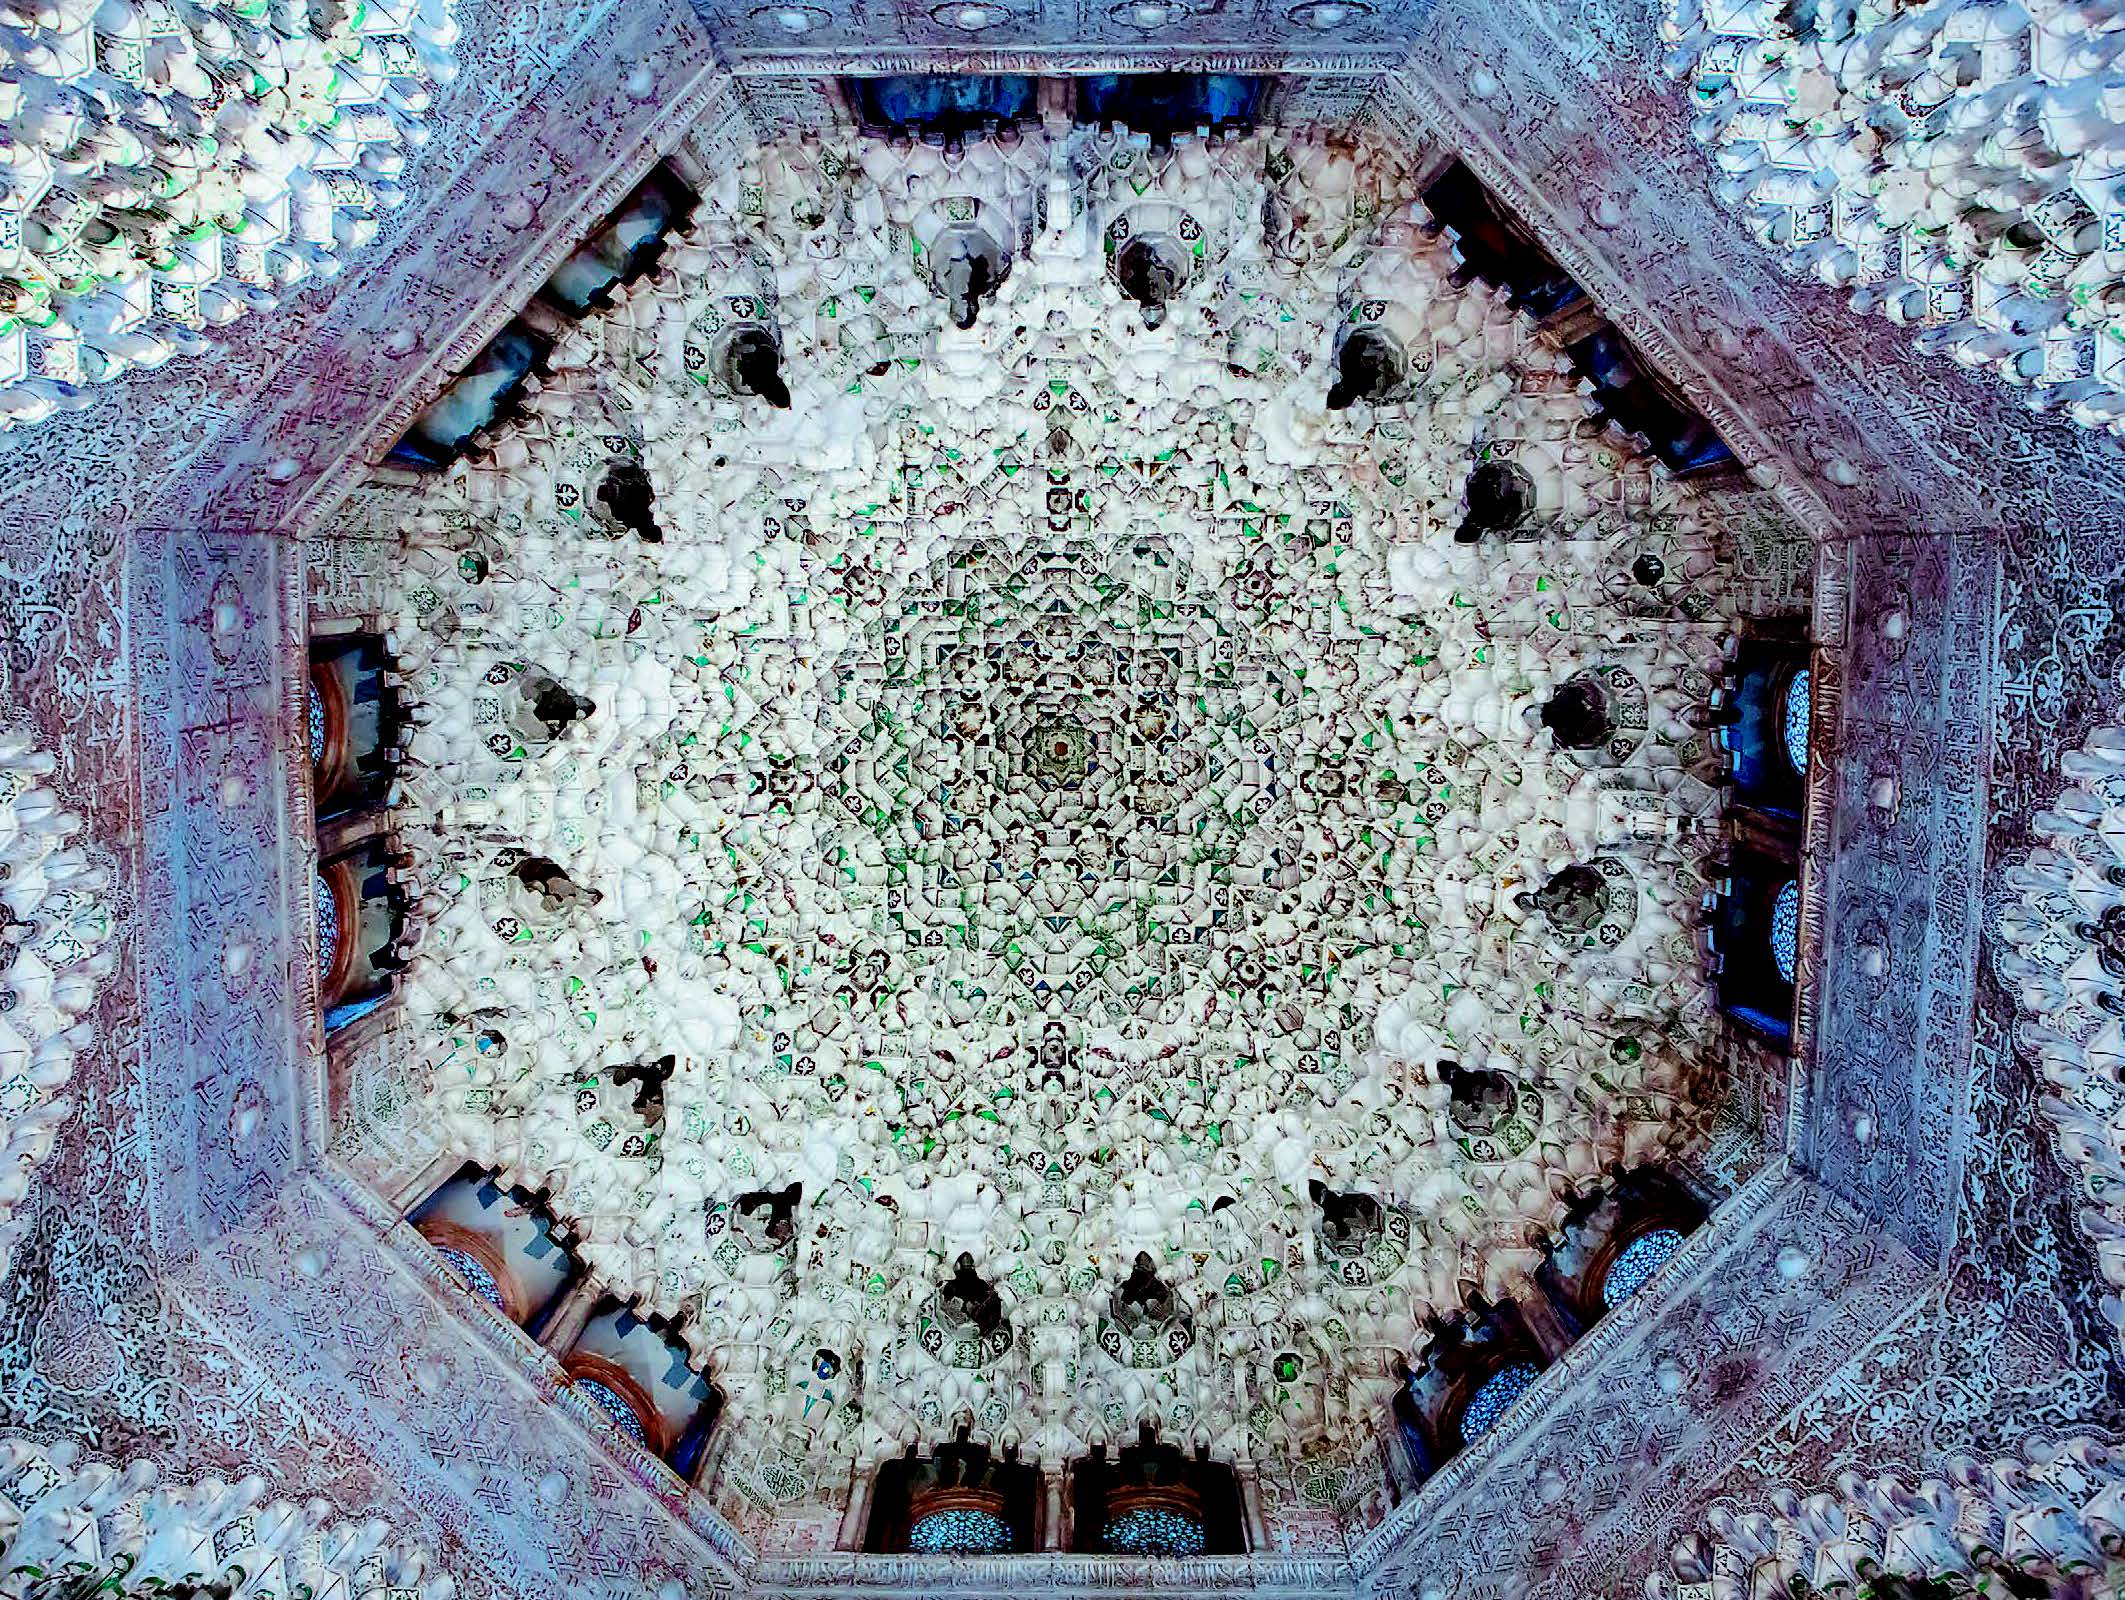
[(1051, 1509), (862, 1481), (1403, 1479), (1250, 1479), (707, 1458), (338, 835), (1543, 1325), (418, 1186), (711, 1461), (571, 1314)]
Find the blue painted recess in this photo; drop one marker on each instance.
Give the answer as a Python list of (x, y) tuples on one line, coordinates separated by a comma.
[(948, 104)]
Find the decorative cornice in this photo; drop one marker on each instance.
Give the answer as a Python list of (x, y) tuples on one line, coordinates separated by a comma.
[(1432, 106), (123, 1533), (1575, 1500), (708, 96), (2057, 1514), (2060, 952), (1267, 1574), (1062, 60), (62, 919), (1826, 703)]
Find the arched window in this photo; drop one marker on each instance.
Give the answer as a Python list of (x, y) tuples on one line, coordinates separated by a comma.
[(636, 1371), (360, 914), (969, 1530), (949, 105), (501, 1243), (1156, 1500), (479, 397), (355, 727), (1468, 1373), (329, 936), (959, 1500), (1784, 933), (1766, 708), (1154, 1530), (1612, 1243), (1498, 247), (1494, 1397), (479, 1278), (1163, 104), (355, 723), (601, 1393), (1637, 1262), (1755, 941), (1766, 704), (626, 245), (1795, 707)]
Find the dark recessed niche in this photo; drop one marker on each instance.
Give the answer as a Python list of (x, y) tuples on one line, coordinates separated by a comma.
[(477, 398), (1160, 105), (947, 105), (1164, 104)]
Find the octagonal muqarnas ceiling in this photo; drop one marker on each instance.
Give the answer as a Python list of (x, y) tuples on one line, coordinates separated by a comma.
[(1354, 850), (1063, 796)]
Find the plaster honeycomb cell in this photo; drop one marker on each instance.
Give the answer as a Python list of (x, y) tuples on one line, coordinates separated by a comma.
[(1955, 166), (170, 165), (54, 923)]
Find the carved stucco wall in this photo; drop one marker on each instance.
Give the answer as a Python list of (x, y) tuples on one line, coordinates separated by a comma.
[(2000, 526)]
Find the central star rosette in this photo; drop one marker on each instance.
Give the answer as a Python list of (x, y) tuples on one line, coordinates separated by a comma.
[(1089, 811)]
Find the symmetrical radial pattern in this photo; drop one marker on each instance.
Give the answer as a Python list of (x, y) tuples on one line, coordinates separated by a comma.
[(1061, 795)]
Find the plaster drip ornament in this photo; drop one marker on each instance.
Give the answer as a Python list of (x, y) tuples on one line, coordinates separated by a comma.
[(1154, 252), (1954, 166), (2061, 951), (2056, 1518), (1501, 498), (752, 364), (81, 1527), (54, 924), (1055, 796), (172, 167), (1574, 899)]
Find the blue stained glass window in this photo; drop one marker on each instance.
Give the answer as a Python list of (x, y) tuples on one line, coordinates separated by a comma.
[(317, 725), (1490, 1402), (1785, 929), (1640, 1259), (1793, 721), (327, 927), (962, 1531), (477, 1278), (623, 1414), (1153, 1531)]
